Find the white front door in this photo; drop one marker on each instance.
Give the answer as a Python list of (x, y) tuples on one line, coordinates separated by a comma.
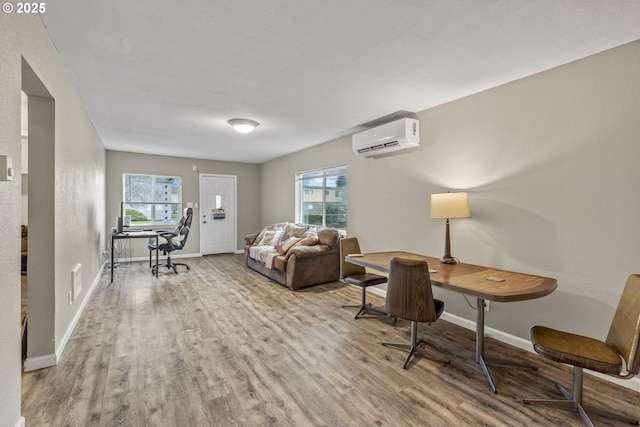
[(217, 214)]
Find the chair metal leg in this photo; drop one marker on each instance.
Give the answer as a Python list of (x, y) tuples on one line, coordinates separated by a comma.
[(414, 348), (574, 402), (169, 264), (180, 263), (365, 309)]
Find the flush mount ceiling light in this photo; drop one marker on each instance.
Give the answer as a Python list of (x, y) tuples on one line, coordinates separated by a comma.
[(243, 125)]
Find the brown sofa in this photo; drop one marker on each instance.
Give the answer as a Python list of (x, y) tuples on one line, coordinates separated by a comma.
[(288, 260)]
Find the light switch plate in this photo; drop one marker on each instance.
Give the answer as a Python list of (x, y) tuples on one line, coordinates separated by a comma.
[(6, 168)]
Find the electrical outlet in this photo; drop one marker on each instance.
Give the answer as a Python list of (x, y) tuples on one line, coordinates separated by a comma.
[(487, 305)]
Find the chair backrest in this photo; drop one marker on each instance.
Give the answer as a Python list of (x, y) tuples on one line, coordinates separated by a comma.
[(185, 221), (409, 294), (349, 245), (624, 332), (188, 216), (181, 238)]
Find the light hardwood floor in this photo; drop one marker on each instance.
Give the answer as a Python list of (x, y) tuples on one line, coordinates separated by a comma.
[(221, 345)]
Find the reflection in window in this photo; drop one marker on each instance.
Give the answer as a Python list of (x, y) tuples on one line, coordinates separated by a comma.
[(152, 199), (328, 205)]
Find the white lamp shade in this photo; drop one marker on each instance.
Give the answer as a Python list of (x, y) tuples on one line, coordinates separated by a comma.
[(450, 205)]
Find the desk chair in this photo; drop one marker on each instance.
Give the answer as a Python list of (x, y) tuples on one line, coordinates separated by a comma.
[(357, 275), (172, 243), (618, 356), (409, 297), (185, 220), (25, 247)]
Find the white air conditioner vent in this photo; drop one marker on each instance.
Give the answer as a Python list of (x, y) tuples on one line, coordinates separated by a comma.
[(398, 135)]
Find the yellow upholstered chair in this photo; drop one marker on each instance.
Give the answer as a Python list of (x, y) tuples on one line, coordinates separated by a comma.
[(358, 276), (409, 297), (618, 356)]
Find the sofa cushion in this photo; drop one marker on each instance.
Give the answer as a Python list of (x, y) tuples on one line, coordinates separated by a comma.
[(280, 263)]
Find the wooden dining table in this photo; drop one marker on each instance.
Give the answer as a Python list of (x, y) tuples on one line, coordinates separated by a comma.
[(483, 283)]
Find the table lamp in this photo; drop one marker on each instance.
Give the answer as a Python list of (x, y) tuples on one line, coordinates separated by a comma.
[(446, 206)]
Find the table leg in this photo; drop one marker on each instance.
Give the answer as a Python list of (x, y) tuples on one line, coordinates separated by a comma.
[(112, 240), (480, 343), (157, 265), (485, 361)]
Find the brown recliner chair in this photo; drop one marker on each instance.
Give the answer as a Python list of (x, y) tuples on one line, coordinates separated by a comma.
[(618, 356), (358, 276), (409, 297)]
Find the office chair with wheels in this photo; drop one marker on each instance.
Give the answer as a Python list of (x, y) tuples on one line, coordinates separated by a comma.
[(172, 243), (358, 276), (617, 356), (25, 248), (185, 220), (410, 297)]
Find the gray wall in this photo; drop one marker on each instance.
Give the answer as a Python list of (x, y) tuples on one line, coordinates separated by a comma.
[(66, 201), (248, 202), (551, 165)]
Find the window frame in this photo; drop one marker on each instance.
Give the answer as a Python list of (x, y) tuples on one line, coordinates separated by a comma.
[(175, 209), (323, 174)]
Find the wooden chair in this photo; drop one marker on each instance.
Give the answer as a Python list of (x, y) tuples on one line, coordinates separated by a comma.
[(409, 297), (617, 356), (358, 276)]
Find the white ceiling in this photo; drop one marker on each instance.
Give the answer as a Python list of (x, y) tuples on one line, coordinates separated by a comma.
[(164, 76)]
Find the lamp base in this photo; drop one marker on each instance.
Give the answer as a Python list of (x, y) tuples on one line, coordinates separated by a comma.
[(448, 260)]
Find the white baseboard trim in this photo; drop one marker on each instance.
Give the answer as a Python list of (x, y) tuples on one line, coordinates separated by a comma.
[(20, 422), (76, 318), (48, 360), (375, 290), (144, 258), (140, 258), (521, 343), (40, 362)]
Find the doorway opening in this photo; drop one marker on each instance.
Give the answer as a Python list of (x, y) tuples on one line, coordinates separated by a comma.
[(38, 208)]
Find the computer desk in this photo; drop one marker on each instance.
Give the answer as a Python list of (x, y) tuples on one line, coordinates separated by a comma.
[(133, 235), (473, 280)]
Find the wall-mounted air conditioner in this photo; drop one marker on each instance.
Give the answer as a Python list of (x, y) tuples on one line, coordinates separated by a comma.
[(398, 135)]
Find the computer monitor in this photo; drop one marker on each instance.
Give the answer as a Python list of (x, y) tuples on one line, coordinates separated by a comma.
[(120, 219)]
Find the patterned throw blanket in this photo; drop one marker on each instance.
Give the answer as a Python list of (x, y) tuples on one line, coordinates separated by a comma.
[(264, 254), (278, 239)]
